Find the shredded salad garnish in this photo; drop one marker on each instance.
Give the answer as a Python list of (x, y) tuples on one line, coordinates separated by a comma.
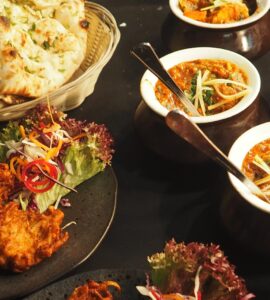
[(45, 155), (192, 271)]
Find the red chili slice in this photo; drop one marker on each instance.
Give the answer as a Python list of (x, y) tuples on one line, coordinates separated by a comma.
[(34, 173), (31, 172), (51, 169), (43, 188)]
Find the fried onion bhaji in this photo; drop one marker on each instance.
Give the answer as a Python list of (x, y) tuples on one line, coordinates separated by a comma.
[(6, 182), (28, 237), (93, 290)]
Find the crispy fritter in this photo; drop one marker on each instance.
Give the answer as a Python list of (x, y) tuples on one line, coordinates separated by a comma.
[(93, 290), (28, 237), (6, 182)]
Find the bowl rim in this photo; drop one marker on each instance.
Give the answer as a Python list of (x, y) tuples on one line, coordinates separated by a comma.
[(251, 19), (237, 153), (65, 88), (149, 80)]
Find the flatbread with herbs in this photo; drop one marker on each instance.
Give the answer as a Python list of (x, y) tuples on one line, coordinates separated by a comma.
[(42, 44)]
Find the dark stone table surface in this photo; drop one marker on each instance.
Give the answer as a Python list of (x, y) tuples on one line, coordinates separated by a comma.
[(160, 199)]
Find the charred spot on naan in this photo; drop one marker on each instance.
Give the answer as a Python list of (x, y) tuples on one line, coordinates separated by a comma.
[(4, 23), (84, 24), (9, 53)]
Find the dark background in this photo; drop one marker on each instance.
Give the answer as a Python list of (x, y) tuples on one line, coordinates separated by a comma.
[(159, 199)]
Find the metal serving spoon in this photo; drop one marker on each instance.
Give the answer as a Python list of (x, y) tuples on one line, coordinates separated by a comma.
[(146, 54), (182, 125)]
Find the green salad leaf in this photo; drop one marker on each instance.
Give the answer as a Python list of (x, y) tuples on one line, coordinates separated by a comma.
[(78, 150), (10, 132), (80, 164)]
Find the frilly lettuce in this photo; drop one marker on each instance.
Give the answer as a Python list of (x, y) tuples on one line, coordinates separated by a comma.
[(174, 271), (87, 151)]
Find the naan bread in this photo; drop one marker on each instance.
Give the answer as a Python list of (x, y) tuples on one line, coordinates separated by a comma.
[(42, 43)]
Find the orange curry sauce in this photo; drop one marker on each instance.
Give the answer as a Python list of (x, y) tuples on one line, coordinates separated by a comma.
[(252, 171), (206, 11), (184, 73)]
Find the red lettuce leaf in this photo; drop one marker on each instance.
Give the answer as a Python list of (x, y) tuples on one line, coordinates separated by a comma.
[(174, 271)]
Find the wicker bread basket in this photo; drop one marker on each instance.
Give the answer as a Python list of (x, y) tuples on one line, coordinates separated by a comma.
[(102, 39)]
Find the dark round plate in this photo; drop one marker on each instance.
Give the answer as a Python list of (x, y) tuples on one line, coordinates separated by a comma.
[(128, 279), (92, 209)]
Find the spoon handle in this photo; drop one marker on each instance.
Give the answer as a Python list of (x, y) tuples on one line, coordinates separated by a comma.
[(183, 126), (146, 54)]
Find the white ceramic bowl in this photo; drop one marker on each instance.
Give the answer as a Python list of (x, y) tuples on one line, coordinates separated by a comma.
[(263, 7), (149, 80), (237, 154)]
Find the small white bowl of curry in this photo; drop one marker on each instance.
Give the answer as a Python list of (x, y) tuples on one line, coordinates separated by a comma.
[(220, 83), (219, 14), (251, 153), (245, 215)]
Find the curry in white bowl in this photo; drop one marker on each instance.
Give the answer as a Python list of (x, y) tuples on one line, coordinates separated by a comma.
[(212, 85)]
